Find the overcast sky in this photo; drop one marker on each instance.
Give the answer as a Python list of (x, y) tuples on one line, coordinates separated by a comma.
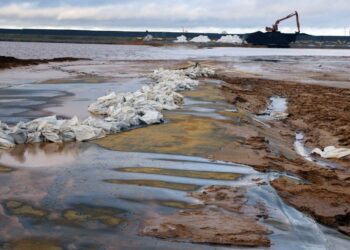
[(317, 16)]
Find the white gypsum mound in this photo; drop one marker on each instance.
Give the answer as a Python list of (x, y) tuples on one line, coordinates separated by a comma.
[(111, 113), (230, 39), (200, 39), (181, 39)]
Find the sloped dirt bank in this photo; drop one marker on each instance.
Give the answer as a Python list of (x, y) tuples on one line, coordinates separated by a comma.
[(231, 222), (329, 204), (322, 113)]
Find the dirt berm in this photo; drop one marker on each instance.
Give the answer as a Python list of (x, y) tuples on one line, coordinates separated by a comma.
[(322, 113), (12, 62)]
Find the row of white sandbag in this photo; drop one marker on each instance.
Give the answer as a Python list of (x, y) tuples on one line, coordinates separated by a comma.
[(112, 113)]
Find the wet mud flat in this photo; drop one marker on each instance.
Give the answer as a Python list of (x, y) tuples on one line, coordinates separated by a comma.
[(233, 134)]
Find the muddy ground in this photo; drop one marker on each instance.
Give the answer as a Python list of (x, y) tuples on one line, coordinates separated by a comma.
[(12, 62), (320, 112), (239, 227), (222, 214)]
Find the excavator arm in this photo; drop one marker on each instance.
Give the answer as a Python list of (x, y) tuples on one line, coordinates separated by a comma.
[(274, 27)]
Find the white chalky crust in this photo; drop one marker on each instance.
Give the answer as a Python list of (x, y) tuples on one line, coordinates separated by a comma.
[(111, 113)]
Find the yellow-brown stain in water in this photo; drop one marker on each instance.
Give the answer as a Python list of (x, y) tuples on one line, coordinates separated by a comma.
[(20, 208), (183, 134), (5, 170), (157, 184), (82, 214), (206, 92), (182, 173), (35, 244)]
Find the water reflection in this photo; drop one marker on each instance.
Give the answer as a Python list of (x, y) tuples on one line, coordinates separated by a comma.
[(40, 155)]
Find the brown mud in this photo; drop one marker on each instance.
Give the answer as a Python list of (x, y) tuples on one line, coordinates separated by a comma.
[(322, 114), (319, 111), (12, 62), (238, 221)]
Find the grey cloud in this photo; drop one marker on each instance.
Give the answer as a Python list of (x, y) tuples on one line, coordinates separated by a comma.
[(172, 13)]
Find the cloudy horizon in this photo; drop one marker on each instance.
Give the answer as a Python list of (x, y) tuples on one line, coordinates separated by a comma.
[(318, 17)]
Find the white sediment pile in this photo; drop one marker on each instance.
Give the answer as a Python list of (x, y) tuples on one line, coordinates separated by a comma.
[(148, 38), (230, 39), (200, 39), (181, 39), (112, 113)]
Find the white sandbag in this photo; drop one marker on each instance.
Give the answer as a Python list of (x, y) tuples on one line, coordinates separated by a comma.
[(51, 133), (6, 141), (151, 117), (66, 124), (108, 126), (111, 96), (66, 129), (100, 107), (34, 137), (68, 136), (332, 152), (19, 135), (3, 126), (87, 133), (116, 111), (279, 115), (6, 144), (124, 113), (40, 123)]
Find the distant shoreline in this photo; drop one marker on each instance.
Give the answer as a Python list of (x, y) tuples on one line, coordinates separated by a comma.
[(257, 39), (7, 62)]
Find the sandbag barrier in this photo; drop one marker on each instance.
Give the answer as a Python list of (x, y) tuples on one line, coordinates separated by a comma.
[(112, 113)]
